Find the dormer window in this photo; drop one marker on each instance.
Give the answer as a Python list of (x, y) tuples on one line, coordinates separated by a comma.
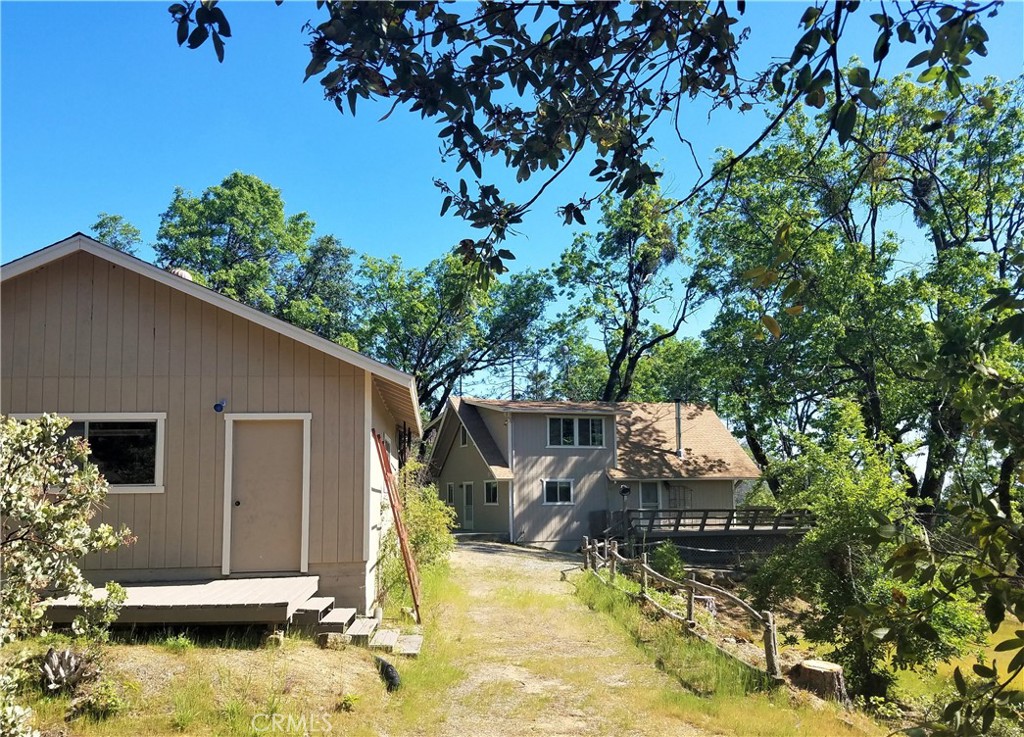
[(576, 432), (463, 436)]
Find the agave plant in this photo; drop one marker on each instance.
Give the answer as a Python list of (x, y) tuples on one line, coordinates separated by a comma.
[(65, 670)]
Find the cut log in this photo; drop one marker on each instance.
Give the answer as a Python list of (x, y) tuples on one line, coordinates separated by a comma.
[(821, 678)]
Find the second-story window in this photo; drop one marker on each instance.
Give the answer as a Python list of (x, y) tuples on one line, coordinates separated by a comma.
[(576, 432)]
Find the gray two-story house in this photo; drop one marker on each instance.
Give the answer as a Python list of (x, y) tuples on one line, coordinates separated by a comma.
[(548, 473)]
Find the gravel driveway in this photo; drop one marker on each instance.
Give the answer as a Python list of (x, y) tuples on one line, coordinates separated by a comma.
[(539, 662)]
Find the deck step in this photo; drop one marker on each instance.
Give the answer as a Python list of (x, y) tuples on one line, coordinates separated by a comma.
[(361, 629), (409, 645), (313, 610), (336, 620), (384, 640)]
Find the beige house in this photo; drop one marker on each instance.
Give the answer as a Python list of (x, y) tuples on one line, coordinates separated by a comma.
[(548, 473), (235, 444)]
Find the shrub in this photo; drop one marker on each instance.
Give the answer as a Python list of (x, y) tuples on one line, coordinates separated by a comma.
[(97, 700), (178, 643), (429, 523), (666, 561), (839, 568)]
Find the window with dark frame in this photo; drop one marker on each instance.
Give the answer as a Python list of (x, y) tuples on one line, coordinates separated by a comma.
[(576, 432), (451, 494), (124, 451), (558, 491), (490, 492), (463, 436)]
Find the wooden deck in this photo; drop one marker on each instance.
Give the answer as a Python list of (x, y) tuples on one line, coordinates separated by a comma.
[(224, 601)]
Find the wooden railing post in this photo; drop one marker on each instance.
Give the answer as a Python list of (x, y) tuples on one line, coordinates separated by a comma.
[(613, 552), (643, 573), (595, 556), (771, 646), (586, 552), (689, 600)]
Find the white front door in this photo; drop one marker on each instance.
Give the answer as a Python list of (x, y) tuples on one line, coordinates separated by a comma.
[(467, 509)]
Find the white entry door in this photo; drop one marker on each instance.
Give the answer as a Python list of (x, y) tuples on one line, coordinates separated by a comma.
[(467, 509)]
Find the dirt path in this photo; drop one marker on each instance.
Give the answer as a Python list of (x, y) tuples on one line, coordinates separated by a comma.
[(537, 661)]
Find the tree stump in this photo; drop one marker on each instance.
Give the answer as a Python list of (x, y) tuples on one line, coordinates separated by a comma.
[(821, 678)]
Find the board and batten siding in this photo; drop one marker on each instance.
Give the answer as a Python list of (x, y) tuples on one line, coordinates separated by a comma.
[(558, 526), (704, 493), (464, 464), (82, 335)]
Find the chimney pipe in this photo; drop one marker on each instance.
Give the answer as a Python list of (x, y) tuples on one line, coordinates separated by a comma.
[(679, 428)]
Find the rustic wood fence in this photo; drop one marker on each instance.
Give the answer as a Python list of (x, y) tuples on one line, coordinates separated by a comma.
[(594, 560)]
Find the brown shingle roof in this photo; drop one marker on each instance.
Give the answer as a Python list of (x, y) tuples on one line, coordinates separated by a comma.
[(647, 445), (563, 408), (481, 437)]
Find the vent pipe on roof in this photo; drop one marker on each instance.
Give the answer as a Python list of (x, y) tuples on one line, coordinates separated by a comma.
[(679, 428), (178, 271)]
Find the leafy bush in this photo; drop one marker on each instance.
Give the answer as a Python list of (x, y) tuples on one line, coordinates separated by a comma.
[(178, 643), (429, 523), (666, 561), (49, 492), (98, 700), (839, 567)]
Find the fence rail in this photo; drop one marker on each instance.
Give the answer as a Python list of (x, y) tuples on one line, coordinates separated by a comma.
[(594, 560)]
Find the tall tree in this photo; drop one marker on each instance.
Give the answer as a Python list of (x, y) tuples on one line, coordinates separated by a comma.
[(116, 232), (627, 277), (438, 324), (535, 84), (236, 238)]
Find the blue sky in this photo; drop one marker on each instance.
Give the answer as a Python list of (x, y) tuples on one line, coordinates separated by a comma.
[(101, 111)]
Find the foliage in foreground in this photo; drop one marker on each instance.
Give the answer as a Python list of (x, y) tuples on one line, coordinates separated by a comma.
[(429, 522), (848, 482), (49, 493)]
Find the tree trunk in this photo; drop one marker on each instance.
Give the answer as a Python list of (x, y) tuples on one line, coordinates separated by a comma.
[(1003, 496), (821, 678), (760, 457)]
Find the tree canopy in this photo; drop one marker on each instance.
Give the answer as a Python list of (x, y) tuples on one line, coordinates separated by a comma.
[(536, 84)]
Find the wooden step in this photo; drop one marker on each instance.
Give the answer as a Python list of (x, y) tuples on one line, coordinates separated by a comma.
[(313, 610), (361, 629), (409, 645), (336, 620), (384, 640)]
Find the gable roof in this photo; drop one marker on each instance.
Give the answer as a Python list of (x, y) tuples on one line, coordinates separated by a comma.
[(647, 445), (480, 437), (397, 388)]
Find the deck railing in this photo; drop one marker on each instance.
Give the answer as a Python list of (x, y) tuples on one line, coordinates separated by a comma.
[(757, 520)]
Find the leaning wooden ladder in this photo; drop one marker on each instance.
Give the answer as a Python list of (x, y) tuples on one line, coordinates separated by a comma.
[(396, 510)]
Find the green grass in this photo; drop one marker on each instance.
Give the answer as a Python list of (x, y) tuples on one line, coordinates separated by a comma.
[(718, 694)]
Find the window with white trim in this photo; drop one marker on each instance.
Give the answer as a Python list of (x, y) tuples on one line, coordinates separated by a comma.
[(649, 496), (576, 432), (490, 492), (463, 436), (451, 494), (128, 448), (558, 491)]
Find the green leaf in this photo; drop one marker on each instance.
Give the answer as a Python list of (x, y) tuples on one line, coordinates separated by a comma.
[(182, 31), (1014, 643), (959, 682), (931, 74), (198, 37), (881, 633), (218, 46), (995, 611), (983, 671), (446, 204), (859, 77), (846, 119), (794, 310), (870, 99), (773, 326)]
